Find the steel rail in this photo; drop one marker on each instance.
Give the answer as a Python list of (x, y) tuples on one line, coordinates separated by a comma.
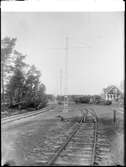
[(25, 116), (55, 156), (94, 147), (26, 113), (95, 135), (83, 120)]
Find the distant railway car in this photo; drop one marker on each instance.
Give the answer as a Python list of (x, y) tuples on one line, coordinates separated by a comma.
[(99, 100)]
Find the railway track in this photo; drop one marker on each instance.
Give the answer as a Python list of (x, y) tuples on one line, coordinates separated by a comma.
[(80, 147), (86, 144), (25, 115)]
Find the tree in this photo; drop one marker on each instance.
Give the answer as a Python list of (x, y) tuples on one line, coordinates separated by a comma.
[(32, 80), (7, 46), (15, 88), (41, 97), (35, 90), (7, 56), (26, 87), (19, 61), (16, 85), (23, 80)]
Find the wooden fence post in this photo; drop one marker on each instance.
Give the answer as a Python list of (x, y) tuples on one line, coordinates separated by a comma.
[(114, 117)]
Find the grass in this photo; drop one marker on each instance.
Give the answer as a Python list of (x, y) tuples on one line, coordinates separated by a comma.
[(11, 112)]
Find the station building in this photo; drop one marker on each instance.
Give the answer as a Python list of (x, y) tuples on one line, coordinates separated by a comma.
[(112, 93)]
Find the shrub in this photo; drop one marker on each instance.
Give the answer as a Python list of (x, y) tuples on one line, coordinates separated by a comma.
[(85, 99), (108, 102)]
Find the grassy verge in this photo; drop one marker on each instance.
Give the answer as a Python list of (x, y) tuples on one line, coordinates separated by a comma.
[(11, 112), (115, 136)]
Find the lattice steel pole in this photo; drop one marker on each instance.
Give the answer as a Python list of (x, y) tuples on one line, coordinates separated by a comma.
[(66, 77), (61, 82)]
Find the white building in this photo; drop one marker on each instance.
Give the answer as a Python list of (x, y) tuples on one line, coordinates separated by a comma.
[(112, 93)]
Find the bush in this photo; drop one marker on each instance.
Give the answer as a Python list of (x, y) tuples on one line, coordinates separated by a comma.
[(60, 102), (41, 105), (83, 99), (77, 100), (108, 102), (36, 104), (30, 109), (97, 101)]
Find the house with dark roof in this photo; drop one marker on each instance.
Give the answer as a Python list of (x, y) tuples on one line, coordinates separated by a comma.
[(112, 93)]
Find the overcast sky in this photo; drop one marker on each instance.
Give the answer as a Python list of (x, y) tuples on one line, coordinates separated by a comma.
[(100, 61)]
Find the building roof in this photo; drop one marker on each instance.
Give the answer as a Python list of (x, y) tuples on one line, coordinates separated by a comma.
[(112, 89)]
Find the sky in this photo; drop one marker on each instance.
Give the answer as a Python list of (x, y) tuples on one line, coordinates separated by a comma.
[(95, 47)]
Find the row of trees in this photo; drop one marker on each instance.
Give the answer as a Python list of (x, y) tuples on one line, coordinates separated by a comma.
[(20, 81), (75, 98), (89, 99)]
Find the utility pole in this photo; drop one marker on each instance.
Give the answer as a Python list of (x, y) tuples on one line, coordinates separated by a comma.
[(57, 92), (66, 49), (2, 85), (66, 75), (61, 82)]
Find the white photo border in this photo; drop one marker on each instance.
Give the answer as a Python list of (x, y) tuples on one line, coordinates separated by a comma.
[(62, 6)]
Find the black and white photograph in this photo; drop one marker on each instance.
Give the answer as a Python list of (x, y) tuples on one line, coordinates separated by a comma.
[(62, 87)]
